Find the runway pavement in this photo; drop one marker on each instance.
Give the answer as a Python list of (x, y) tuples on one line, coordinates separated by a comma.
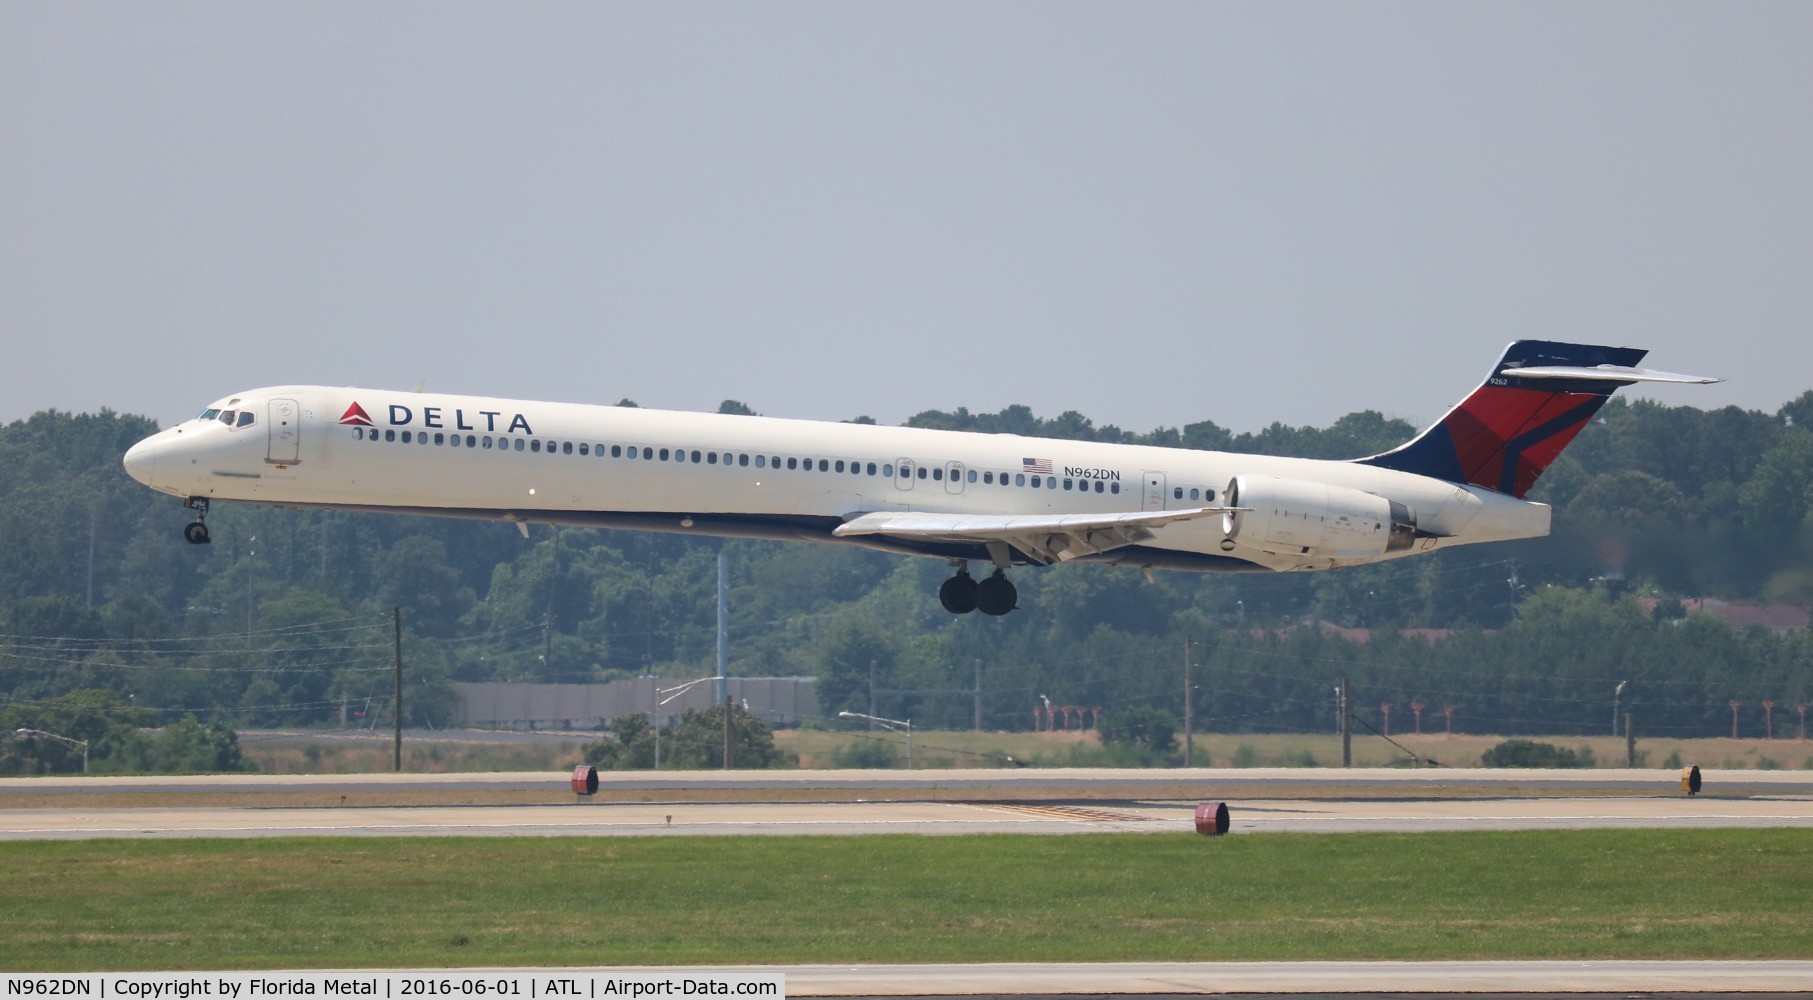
[(1050, 783), (596, 819), (1047, 802)]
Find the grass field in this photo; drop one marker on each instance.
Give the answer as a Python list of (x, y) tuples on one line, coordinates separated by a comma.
[(961, 749), (160, 904)]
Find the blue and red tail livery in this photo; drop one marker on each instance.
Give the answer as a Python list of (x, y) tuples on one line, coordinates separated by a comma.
[(1537, 398)]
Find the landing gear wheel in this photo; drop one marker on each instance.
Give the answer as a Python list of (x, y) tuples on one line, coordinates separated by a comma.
[(196, 533), (958, 595), (996, 595)]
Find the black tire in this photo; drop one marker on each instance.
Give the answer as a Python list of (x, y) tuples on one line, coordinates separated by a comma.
[(958, 595), (196, 533), (996, 596)]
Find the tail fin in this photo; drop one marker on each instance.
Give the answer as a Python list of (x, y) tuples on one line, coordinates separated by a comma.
[(1539, 395)]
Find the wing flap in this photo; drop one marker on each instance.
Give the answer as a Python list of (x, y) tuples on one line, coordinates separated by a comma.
[(1042, 538)]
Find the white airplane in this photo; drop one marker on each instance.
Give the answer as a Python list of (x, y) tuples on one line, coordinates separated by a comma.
[(964, 497)]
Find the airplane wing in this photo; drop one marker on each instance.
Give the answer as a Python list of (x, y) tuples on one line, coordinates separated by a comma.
[(1042, 538)]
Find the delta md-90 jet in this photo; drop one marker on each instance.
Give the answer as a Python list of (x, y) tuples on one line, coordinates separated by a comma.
[(997, 500)]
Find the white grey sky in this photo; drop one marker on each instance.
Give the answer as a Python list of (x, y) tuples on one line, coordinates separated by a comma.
[(1153, 213)]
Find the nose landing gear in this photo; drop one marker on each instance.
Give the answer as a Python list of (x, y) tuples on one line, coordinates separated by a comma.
[(961, 594), (196, 531)]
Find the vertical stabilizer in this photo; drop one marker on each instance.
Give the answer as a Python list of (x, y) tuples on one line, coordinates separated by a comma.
[(1508, 431)]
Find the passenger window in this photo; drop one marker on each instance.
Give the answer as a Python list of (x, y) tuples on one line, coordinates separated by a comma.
[(937, 473), (1208, 495), (439, 438), (840, 465), (887, 469), (484, 441), (695, 458), (1020, 479), (824, 465), (1195, 493), (1177, 493), (711, 458), (761, 461), (871, 468), (1051, 482), (1114, 487), (662, 454), (792, 463), (922, 472), (390, 435), (455, 442), (972, 475), (517, 444), (1098, 486), (617, 451), (535, 446), (988, 478), (743, 460), (1068, 482)]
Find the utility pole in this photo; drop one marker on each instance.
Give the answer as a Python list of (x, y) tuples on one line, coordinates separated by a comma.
[(727, 733), (396, 620), (871, 690), (1630, 743), (547, 617), (978, 724), (1346, 727), (1189, 709), (723, 633)]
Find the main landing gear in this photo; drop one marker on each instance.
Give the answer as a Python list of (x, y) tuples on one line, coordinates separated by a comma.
[(961, 594), (196, 532)]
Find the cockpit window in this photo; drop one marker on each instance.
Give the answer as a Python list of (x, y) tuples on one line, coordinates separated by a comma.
[(245, 418), (209, 414), (226, 416)]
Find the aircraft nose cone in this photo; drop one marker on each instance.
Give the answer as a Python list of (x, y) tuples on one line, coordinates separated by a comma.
[(139, 461)]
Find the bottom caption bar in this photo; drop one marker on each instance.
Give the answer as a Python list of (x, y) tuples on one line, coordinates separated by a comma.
[(526, 985)]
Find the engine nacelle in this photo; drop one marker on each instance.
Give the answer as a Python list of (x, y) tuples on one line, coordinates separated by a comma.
[(1296, 517)]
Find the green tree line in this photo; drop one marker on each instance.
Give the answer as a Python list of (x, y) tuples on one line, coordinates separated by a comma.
[(286, 617)]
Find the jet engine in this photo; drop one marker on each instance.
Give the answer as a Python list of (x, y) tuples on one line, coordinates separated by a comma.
[(1296, 517)]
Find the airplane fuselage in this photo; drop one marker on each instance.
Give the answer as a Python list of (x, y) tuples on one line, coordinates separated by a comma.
[(711, 474)]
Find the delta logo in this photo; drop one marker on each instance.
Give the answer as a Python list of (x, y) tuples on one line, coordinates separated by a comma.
[(438, 418)]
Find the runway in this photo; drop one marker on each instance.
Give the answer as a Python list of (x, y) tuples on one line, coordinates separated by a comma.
[(1054, 802), (1042, 784), (604, 819)]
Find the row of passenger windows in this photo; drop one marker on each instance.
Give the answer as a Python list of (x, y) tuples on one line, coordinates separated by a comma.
[(936, 473)]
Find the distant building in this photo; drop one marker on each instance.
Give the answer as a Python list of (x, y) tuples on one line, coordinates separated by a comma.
[(1776, 618), (778, 701)]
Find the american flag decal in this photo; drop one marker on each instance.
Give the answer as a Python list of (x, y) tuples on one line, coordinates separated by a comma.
[(1042, 466)]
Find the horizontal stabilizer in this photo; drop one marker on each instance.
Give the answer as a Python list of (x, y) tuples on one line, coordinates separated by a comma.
[(1609, 373)]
